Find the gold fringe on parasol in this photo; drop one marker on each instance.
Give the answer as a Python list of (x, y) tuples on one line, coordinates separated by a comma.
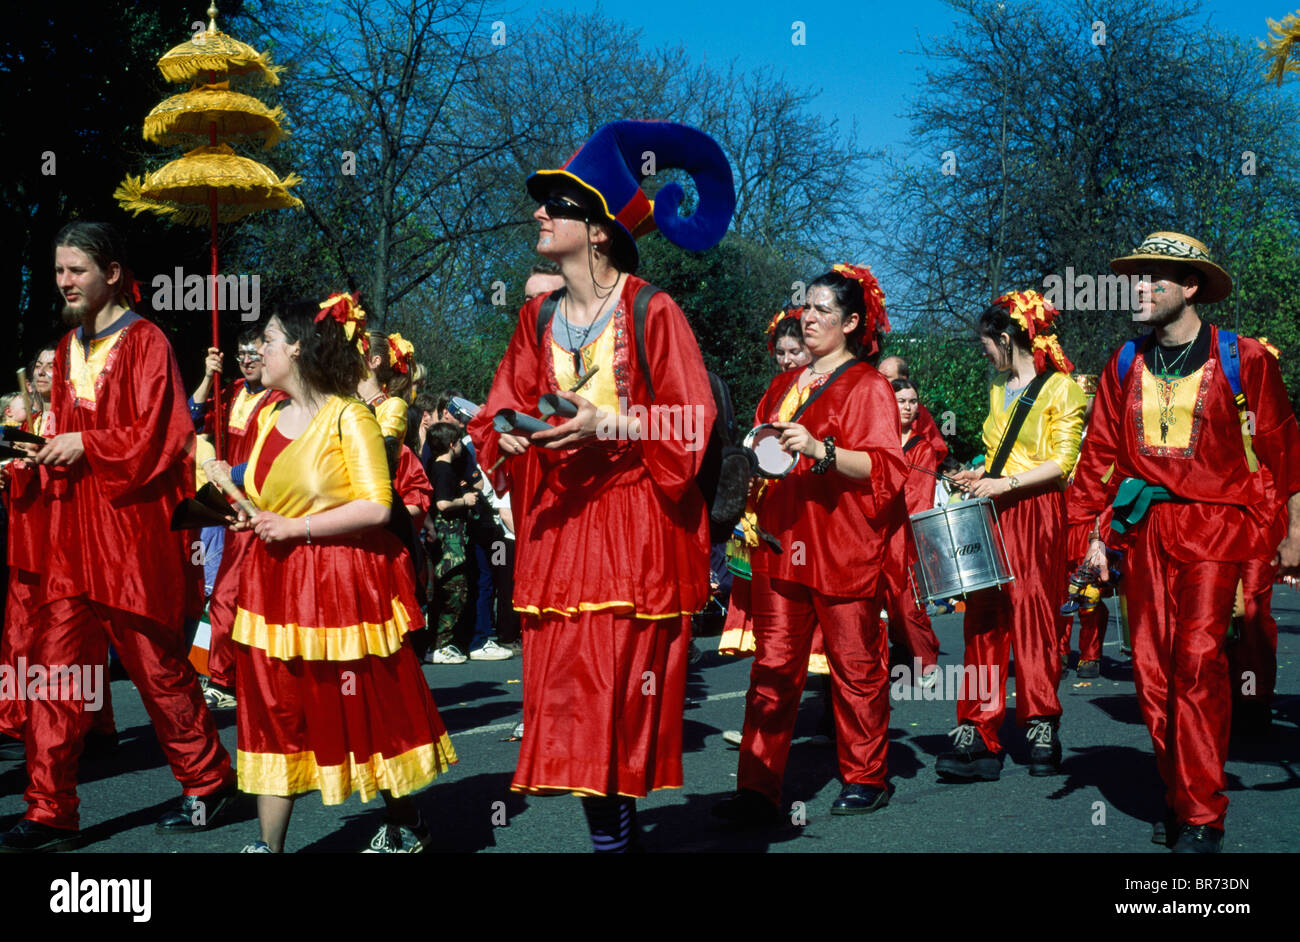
[(1283, 47), (180, 190), (185, 119), (214, 51)]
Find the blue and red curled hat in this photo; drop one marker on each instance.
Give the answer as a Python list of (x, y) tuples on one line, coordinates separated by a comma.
[(607, 171)]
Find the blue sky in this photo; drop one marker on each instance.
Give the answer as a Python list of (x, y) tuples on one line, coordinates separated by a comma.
[(860, 54)]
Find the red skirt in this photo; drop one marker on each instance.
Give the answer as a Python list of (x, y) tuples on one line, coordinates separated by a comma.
[(330, 698), (603, 701)]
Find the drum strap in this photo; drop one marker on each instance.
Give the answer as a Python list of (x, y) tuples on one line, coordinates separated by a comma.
[(1023, 405), (839, 371)]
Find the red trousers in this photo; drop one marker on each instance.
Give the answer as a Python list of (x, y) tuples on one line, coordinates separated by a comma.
[(16, 643), (1252, 658), (1179, 614), (909, 625), (221, 608), (603, 700), (78, 631), (858, 651), (1092, 631), (1021, 614)]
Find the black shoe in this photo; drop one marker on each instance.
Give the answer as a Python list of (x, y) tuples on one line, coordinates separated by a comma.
[(11, 750), (1199, 839), (100, 745), (860, 799), (29, 837), (1044, 746), (1065, 665), (1088, 669), (1165, 831), (1252, 720), (970, 759), (749, 809), (196, 812)]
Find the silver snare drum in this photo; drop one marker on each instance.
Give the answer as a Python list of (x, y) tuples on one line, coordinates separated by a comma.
[(959, 550)]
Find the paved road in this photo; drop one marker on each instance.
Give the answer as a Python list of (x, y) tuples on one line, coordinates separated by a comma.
[(1110, 777)]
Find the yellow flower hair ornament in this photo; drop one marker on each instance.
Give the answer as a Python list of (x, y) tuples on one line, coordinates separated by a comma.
[(1035, 315), (347, 311), (400, 353), (785, 312)]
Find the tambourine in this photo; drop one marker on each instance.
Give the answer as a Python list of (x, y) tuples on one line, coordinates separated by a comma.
[(461, 409), (773, 461)]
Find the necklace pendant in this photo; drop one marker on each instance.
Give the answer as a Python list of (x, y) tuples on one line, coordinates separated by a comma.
[(577, 363), (1164, 431)]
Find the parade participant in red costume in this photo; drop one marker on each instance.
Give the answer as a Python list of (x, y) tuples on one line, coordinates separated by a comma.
[(909, 625), (331, 698), (1026, 487), (833, 514), (1252, 658), (1183, 419), (895, 367), (247, 397), (612, 541), (41, 419), (386, 387), (1092, 624), (115, 572)]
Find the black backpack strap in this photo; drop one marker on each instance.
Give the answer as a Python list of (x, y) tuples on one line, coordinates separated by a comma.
[(547, 311), (640, 309), (839, 371), (1023, 405)]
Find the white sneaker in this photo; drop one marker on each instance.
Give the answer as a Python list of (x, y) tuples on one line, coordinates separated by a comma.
[(399, 839), (218, 699), (732, 737), (491, 652), (257, 847), (446, 655)]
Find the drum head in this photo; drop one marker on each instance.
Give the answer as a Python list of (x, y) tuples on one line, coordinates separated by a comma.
[(773, 460), (462, 408)]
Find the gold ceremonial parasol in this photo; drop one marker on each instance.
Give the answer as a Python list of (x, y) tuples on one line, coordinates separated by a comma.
[(183, 188), (1283, 47), (211, 183), (186, 119)]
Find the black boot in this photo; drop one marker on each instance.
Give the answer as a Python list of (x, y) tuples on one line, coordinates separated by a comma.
[(749, 808), (1044, 745), (1199, 839), (970, 759), (29, 837)]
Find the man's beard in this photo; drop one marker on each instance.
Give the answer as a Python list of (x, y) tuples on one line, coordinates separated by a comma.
[(73, 315)]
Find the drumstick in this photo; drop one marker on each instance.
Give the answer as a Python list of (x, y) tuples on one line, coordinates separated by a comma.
[(231, 490), (582, 381), (935, 474)]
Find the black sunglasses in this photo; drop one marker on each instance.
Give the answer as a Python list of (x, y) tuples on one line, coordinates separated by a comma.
[(559, 208)]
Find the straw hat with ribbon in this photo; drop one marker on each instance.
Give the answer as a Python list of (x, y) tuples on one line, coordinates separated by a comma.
[(874, 318), (1035, 315), (1216, 283)]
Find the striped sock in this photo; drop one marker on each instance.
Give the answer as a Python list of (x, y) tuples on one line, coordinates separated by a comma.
[(611, 819)]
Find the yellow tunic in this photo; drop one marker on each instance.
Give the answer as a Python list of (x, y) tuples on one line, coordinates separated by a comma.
[(1052, 430), (391, 414), (338, 458)]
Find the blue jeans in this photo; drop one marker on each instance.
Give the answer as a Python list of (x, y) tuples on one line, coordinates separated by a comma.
[(483, 604)]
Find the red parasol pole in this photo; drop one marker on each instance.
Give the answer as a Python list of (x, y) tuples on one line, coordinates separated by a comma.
[(219, 425)]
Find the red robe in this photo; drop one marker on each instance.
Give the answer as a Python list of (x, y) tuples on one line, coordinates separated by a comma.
[(920, 486), (1231, 515), (835, 529), (593, 523), (412, 486), (110, 512), (924, 426)]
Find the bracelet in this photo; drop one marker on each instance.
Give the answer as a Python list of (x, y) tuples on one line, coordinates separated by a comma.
[(821, 467), (308, 521)]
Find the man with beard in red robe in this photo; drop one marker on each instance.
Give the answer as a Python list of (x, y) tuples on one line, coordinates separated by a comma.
[(115, 572), (1183, 420)]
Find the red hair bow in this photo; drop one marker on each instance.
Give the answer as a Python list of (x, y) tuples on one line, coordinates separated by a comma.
[(877, 321), (400, 353), (783, 314), (347, 311)]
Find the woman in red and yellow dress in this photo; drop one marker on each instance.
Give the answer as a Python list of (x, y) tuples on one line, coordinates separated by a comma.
[(387, 385), (833, 514), (330, 697), (1028, 493)]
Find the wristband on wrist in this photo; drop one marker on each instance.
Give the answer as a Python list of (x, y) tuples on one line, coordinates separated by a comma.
[(308, 522), (821, 467)]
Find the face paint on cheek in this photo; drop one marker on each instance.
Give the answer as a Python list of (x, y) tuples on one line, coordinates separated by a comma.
[(1158, 289)]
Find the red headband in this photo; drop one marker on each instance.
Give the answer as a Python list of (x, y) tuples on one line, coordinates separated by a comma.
[(875, 318)]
